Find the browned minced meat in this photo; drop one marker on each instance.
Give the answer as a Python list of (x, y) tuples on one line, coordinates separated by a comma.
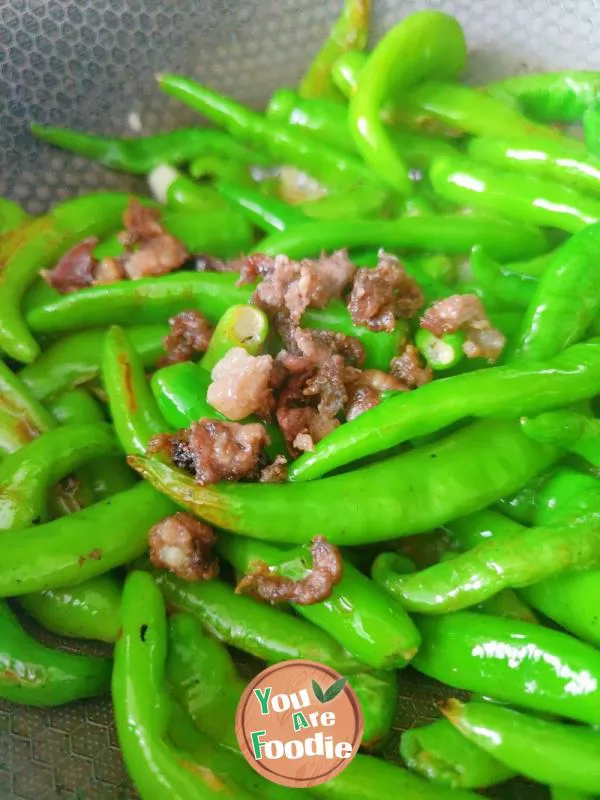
[(365, 392), (302, 424), (329, 385), (409, 369), (189, 334), (382, 294), (317, 585), (465, 312), (241, 385), (215, 451), (293, 286), (277, 472), (183, 545), (75, 270), (310, 349), (151, 248)]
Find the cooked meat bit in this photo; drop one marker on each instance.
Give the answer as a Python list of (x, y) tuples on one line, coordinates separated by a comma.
[(75, 270), (183, 545), (409, 369), (140, 223), (276, 472), (303, 427), (109, 270), (365, 392), (466, 312), (190, 334), (241, 385), (310, 349), (327, 570), (214, 451), (329, 384), (207, 263), (294, 286), (382, 294)]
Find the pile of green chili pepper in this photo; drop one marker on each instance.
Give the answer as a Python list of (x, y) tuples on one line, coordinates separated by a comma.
[(477, 191)]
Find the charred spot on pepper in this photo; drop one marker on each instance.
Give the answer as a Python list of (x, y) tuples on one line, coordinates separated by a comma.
[(143, 631)]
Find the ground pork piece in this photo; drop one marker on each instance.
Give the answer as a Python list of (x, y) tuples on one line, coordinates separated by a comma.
[(329, 385), (109, 270), (241, 385), (309, 349), (141, 222), (326, 571), (190, 334), (183, 545), (277, 472), (465, 312), (382, 294), (408, 368), (75, 270), (293, 286), (303, 427), (365, 392), (215, 451)]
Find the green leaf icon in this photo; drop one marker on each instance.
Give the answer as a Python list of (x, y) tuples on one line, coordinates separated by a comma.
[(334, 690), (318, 692)]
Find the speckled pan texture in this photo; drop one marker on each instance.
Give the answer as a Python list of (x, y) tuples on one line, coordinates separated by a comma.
[(90, 64)]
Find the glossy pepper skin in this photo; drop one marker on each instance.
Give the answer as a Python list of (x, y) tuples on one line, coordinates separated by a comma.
[(91, 542), (568, 377), (512, 288), (409, 493), (25, 476), (256, 628), (267, 213), (550, 96), (69, 223), (474, 651), (133, 409), (12, 216), (522, 198), (439, 752), (22, 417), (75, 359), (141, 154), (89, 610), (520, 559), (348, 34), (545, 751), (566, 299), (427, 44), (38, 676), (576, 432), (377, 694), (142, 706), (357, 614), (180, 393), (451, 235)]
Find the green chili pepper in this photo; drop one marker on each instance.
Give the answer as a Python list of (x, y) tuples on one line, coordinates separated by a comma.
[(540, 157), (534, 267), (409, 493), (522, 198), (38, 676), (135, 414), (520, 559), (453, 235), (591, 128), (566, 300), (255, 628), (156, 299), (89, 610), (549, 752), (177, 191), (474, 651), (356, 614), (141, 154), (267, 213), (513, 390), (559, 793), (216, 168), (424, 45), (520, 506), (180, 392), (142, 706), (575, 432), (26, 475), (348, 34), (335, 169), (368, 778), (242, 326), (377, 694), (76, 358), (22, 417), (439, 752), (67, 224), (550, 96), (346, 70), (11, 215), (443, 352), (508, 287), (91, 542), (328, 122), (203, 678)]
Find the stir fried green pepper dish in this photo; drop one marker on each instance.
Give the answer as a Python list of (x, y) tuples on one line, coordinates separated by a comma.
[(325, 389)]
